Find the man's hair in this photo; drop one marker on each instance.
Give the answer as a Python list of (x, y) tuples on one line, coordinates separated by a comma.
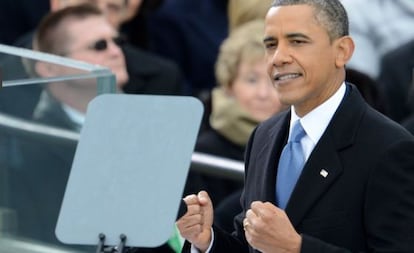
[(51, 35), (329, 13)]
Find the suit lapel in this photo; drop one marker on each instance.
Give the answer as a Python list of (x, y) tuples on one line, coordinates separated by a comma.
[(321, 170), (268, 157), (324, 166)]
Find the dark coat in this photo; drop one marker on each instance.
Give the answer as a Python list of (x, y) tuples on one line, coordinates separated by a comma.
[(212, 143), (20, 17), (365, 204), (190, 33), (39, 184), (396, 79)]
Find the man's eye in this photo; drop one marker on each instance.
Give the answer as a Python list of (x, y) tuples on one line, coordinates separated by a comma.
[(114, 8), (298, 42), (270, 45)]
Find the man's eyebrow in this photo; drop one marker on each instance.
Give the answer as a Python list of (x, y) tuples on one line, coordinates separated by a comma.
[(297, 35), (289, 36), (268, 39)]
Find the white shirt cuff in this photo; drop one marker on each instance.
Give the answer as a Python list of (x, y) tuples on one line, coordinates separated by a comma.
[(195, 250)]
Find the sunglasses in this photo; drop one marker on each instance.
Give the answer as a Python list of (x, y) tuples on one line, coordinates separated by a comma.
[(103, 44)]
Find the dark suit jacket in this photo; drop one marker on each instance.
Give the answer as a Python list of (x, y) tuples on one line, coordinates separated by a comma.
[(396, 78), (151, 74), (365, 204), (39, 184)]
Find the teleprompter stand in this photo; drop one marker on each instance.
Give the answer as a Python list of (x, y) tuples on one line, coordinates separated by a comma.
[(111, 249)]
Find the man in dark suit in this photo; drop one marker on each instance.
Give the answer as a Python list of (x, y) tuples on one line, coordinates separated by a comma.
[(354, 192)]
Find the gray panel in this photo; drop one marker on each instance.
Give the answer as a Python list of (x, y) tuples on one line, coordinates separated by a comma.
[(129, 169)]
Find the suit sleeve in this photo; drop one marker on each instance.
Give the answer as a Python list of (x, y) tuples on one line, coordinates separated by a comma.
[(390, 194), (236, 242)]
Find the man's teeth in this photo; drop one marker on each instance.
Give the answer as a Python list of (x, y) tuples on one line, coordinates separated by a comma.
[(284, 77)]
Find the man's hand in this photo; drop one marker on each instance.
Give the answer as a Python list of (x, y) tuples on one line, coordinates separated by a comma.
[(195, 225), (268, 229)]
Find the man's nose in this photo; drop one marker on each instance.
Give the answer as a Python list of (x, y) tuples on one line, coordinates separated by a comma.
[(114, 49), (281, 55)]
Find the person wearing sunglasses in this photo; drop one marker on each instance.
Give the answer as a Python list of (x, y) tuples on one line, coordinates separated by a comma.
[(148, 73), (114, 10), (82, 33)]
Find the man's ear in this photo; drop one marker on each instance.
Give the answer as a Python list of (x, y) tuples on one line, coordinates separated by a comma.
[(45, 69), (345, 48), (55, 5)]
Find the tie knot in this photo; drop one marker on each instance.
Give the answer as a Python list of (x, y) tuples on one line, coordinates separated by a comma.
[(297, 132)]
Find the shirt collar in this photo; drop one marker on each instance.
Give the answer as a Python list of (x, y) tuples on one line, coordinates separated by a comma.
[(316, 121), (76, 116)]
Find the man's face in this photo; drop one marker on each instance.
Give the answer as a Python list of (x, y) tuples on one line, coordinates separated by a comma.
[(92, 40), (301, 59), (114, 10)]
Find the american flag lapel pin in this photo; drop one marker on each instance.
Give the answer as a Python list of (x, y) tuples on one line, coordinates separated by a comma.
[(323, 173)]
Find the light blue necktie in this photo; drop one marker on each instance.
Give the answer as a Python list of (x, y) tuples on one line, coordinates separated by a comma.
[(291, 163)]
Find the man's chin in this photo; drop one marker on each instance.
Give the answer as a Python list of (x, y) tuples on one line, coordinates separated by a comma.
[(121, 80)]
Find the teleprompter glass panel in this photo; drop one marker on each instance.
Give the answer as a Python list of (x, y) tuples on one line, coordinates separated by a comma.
[(43, 100)]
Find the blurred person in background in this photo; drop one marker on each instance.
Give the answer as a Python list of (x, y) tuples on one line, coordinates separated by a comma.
[(378, 27), (113, 10), (148, 73), (135, 24), (396, 80), (189, 33), (370, 89)]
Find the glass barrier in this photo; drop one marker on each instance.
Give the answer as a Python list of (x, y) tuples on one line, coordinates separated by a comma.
[(42, 104)]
